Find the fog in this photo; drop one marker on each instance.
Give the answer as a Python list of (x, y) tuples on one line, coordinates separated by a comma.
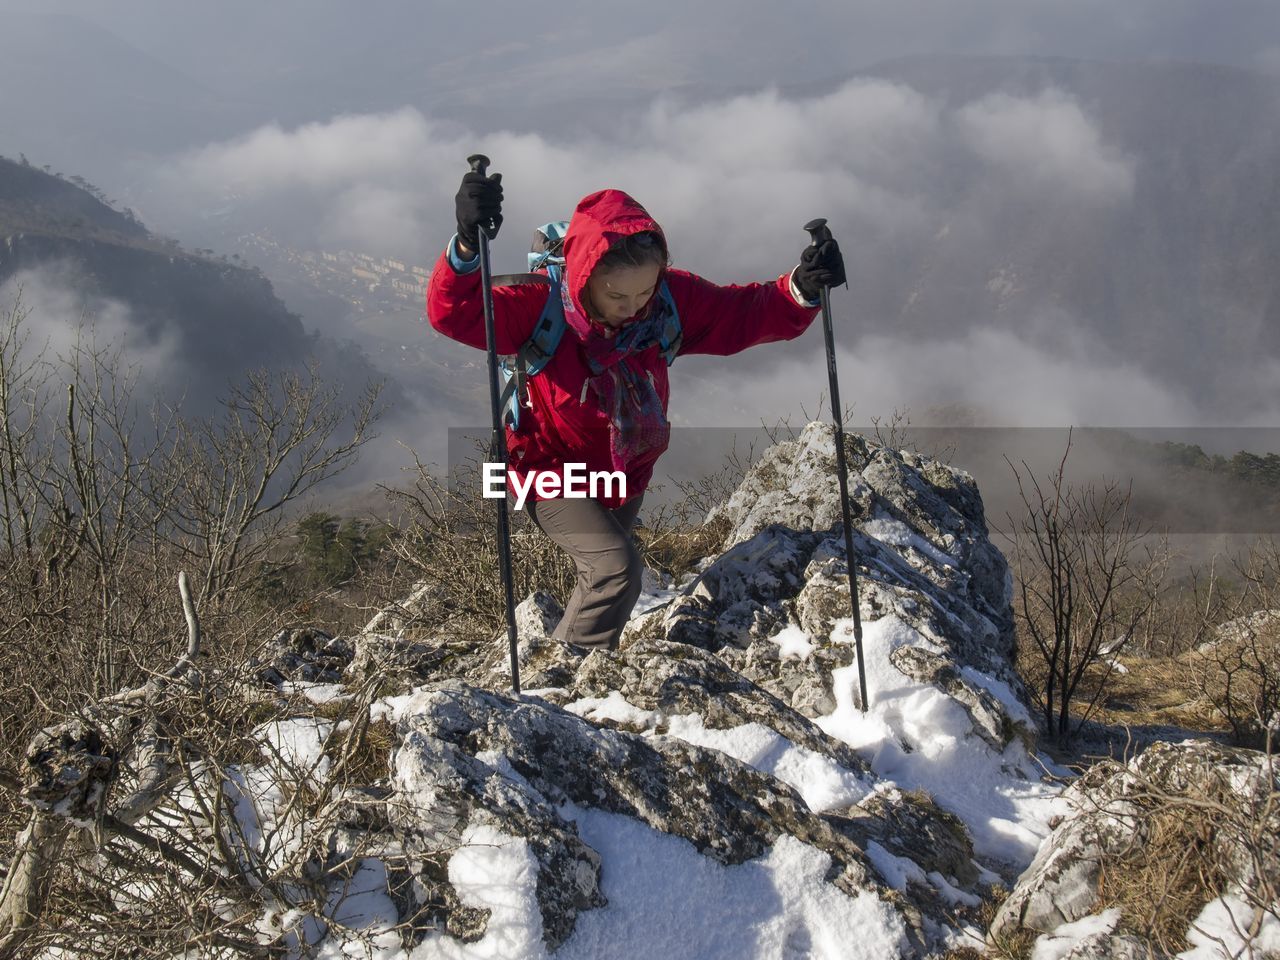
[(734, 124)]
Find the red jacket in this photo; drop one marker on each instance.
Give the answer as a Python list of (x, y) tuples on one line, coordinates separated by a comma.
[(560, 428)]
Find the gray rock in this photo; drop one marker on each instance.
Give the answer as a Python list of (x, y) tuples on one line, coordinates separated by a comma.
[(307, 654), (991, 721), (795, 484), (922, 556), (728, 810), (676, 679), (922, 547)]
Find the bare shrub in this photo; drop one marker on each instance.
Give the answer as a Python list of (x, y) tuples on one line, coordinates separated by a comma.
[(448, 541), (102, 502), (233, 822), (232, 476), (675, 536), (1082, 590), (1238, 647)]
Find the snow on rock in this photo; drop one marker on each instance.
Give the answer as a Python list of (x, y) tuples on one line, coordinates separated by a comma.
[(726, 810), (712, 787), (948, 713), (1071, 939)]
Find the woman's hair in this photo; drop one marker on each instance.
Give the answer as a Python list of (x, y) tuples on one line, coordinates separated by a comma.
[(636, 250)]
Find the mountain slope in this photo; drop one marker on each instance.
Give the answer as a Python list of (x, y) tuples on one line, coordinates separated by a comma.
[(199, 321)]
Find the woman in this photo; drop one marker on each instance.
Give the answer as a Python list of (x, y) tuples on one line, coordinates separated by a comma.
[(602, 399)]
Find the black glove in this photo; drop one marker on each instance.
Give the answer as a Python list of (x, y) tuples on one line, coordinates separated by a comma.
[(479, 200), (820, 266)]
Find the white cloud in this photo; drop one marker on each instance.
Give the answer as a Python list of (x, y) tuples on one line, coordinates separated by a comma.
[(754, 168), (733, 182), (1052, 374), (1046, 143), (325, 155)]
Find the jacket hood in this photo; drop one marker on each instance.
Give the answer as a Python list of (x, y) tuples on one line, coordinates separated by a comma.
[(600, 220)]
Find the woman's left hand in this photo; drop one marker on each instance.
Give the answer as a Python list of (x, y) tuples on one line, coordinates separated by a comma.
[(820, 266)]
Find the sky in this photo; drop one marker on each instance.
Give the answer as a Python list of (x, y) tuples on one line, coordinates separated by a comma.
[(734, 123)]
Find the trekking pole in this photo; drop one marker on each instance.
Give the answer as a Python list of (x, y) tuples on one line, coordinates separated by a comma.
[(818, 232), (498, 443)]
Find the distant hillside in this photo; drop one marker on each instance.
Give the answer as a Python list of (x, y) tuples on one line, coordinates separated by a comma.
[(33, 200), (215, 319)]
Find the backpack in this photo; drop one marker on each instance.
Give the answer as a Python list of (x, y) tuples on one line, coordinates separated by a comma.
[(546, 267)]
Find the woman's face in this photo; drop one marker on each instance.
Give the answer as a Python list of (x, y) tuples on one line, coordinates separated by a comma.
[(617, 295)]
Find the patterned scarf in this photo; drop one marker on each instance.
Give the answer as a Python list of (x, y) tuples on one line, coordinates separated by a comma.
[(638, 429)]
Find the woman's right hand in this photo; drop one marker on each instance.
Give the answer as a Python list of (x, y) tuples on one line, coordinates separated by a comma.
[(478, 202)]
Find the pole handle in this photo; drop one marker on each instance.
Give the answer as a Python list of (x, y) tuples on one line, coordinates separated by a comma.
[(818, 231), (480, 164)]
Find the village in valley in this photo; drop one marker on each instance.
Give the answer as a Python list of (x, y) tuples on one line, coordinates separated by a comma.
[(369, 283)]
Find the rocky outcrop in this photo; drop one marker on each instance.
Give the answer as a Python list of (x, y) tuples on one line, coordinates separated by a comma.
[(922, 555), (1223, 800), (725, 730), (719, 719), (470, 757), (306, 654)]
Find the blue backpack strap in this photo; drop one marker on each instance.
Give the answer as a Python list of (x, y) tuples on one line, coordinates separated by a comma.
[(534, 354)]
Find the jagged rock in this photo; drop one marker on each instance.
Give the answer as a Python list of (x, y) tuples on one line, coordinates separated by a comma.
[(672, 678), (67, 769), (752, 651), (923, 555), (932, 843), (397, 660), (742, 595), (1111, 812), (1260, 623), (305, 653), (470, 758), (794, 484), (545, 663), (804, 683), (911, 825)]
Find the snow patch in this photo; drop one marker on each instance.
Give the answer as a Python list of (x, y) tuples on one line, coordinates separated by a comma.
[(1219, 932), (898, 534), (614, 707), (793, 643), (918, 738)]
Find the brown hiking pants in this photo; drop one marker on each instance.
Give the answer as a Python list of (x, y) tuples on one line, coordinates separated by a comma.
[(609, 566)]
